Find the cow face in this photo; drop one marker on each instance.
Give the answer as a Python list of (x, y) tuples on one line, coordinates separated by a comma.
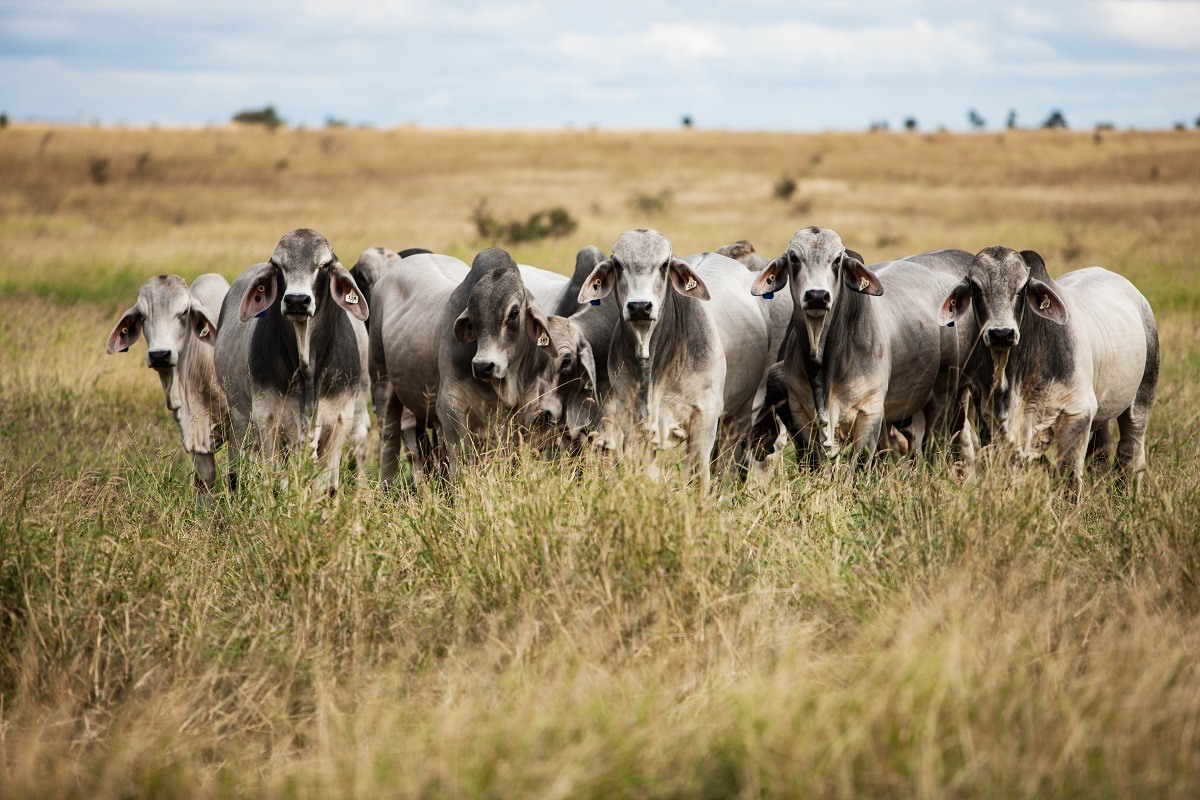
[(566, 387), (640, 269), (168, 316), (302, 268), (818, 267), (1000, 287), (502, 318)]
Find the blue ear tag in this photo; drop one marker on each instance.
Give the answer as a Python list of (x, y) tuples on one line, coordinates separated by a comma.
[(261, 314), (594, 302), (124, 350), (767, 295), (950, 324)]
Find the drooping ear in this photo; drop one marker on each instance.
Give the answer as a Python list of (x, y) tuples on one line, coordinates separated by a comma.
[(261, 294), (588, 360), (1036, 264), (599, 283), (464, 331), (773, 278), (856, 275), (1045, 302), (537, 328), (203, 328), (685, 280), (126, 332), (346, 293), (955, 304)]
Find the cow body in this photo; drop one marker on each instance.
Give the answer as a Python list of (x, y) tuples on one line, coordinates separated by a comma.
[(687, 359), (293, 357), (178, 323), (1061, 359), (865, 348)]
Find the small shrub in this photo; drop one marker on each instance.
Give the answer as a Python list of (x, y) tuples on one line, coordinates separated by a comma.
[(687, 122), (910, 124), (281, 165), (99, 171), (548, 223), (646, 204), (785, 187), (1055, 120), (333, 122), (3, 120), (266, 117), (976, 119)]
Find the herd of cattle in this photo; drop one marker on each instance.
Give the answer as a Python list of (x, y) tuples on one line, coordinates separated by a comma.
[(642, 351)]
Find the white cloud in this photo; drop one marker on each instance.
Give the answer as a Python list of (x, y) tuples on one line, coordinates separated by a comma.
[(1153, 23)]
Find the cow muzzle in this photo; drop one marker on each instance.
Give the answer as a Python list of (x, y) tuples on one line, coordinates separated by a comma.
[(1001, 338), (815, 302), (160, 359), (297, 305), (639, 311), (485, 369)]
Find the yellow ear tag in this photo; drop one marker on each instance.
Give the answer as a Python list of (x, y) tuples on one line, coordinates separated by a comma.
[(863, 283), (691, 284), (1044, 304), (543, 340), (204, 332), (352, 298)]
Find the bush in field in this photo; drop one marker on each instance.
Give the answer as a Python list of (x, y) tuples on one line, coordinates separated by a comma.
[(1055, 120), (263, 116), (785, 187), (547, 223), (99, 171), (910, 124), (976, 119), (3, 120), (647, 204)]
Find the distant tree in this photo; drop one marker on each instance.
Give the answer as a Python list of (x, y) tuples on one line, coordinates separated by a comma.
[(3, 120), (263, 116), (910, 124), (1181, 125), (976, 119), (687, 121), (333, 122), (1055, 120), (1198, 122), (881, 125), (1011, 122)]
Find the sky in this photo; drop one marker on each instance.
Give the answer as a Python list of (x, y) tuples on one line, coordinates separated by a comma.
[(751, 64)]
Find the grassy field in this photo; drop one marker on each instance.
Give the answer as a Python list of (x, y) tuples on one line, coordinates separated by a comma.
[(570, 630)]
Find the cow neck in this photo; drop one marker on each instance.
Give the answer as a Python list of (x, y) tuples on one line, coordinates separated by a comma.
[(670, 347), (848, 333)]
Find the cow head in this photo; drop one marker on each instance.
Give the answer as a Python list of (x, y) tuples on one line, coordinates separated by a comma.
[(1000, 287), (370, 267), (168, 316), (641, 269), (503, 320), (566, 387), (302, 270), (819, 268)]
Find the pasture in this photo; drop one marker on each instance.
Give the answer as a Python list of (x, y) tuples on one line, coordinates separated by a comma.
[(567, 628)]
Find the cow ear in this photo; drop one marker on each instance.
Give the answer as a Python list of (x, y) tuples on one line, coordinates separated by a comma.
[(126, 332), (685, 280), (538, 330), (203, 328), (260, 295), (773, 277), (589, 367), (464, 331), (856, 275), (1036, 264), (346, 292), (599, 283), (1045, 302), (955, 304)]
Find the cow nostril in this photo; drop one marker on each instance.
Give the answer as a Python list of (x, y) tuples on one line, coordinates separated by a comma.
[(1001, 337), (296, 300), (483, 368), (159, 357)]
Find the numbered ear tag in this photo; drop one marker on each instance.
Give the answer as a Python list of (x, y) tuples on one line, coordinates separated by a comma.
[(204, 332), (863, 283), (768, 295), (691, 284), (543, 340), (352, 298), (1044, 304)]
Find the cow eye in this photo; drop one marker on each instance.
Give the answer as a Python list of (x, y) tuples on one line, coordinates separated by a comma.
[(567, 362), (512, 314), (793, 259)]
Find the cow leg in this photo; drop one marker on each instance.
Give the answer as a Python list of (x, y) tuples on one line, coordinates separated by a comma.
[(391, 439), (1073, 433), (867, 428), (1131, 448), (1099, 448), (700, 445)]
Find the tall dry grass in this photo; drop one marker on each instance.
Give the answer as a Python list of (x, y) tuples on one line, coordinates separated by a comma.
[(568, 629)]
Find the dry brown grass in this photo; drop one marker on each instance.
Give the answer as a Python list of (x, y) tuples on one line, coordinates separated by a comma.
[(566, 629)]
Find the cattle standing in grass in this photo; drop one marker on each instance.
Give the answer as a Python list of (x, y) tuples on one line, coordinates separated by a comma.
[(373, 264), (179, 329), (292, 354), (688, 357), (1060, 359), (865, 348)]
